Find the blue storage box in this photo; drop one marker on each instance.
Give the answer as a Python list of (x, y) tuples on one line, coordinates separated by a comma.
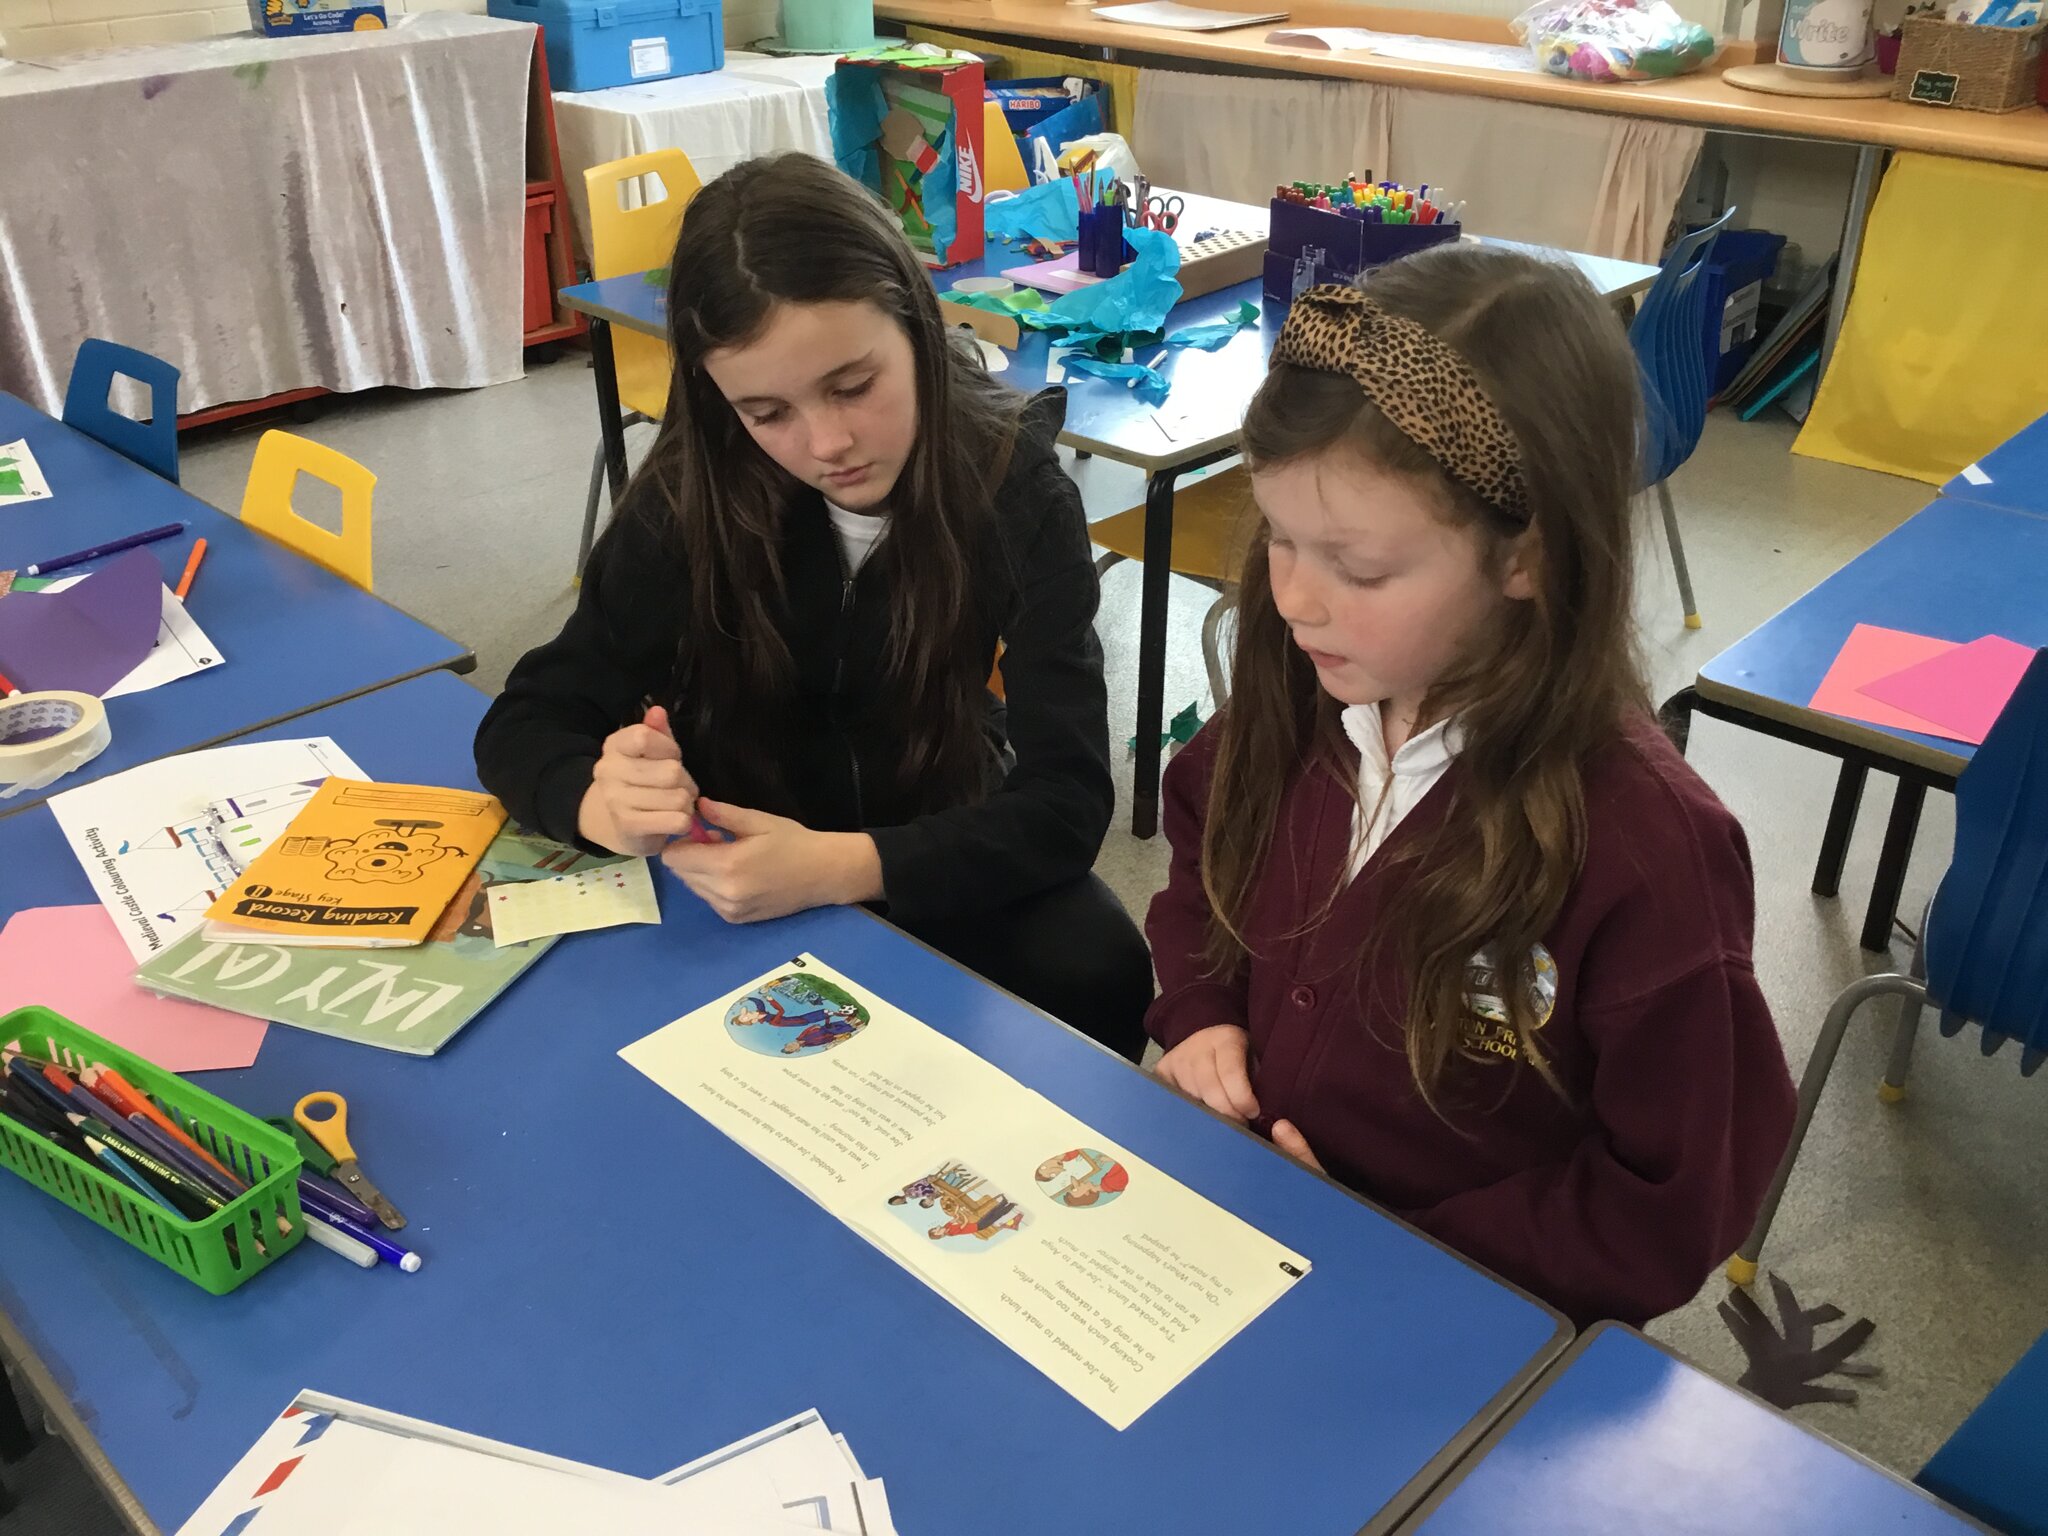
[(1738, 266), (593, 44)]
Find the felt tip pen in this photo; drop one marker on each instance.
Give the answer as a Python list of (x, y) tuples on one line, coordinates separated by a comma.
[(334, 1240), (335, 1203), (7, 688), (113, 547), (377, 1242)]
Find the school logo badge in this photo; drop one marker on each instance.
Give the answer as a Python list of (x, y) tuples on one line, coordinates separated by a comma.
[(1488, 1029)]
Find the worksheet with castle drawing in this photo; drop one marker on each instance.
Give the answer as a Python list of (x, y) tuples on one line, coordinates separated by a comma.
[(1112, 1278)]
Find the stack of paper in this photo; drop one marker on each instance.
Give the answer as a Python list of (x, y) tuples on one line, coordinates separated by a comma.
[(161, 843), (1909, 682), (326, 1461)]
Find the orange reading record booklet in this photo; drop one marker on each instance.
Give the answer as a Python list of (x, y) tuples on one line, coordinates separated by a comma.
[(361, 865)]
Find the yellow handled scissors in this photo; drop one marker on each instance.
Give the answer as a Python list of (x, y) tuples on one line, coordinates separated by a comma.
[(331, 1131)]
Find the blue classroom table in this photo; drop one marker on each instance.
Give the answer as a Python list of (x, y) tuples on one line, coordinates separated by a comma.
[(1622, 1438), (1197, 424), (2013, 475), (1992, 1466), (1956, 570), (294, 637), (609, 1278)]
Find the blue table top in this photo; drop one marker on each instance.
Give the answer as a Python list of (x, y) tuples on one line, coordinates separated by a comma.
[(609, 1278), (294, 637), (2013, 475), (1625, 1439), (1209, 390), (1956, 570), (1992, 1466)]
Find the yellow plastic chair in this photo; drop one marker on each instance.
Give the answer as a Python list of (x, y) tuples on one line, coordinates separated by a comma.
[(267, 503), (625, 240), (1208, 522)]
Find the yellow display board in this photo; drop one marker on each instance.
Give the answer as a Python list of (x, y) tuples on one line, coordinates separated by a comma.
[(1944, 352)]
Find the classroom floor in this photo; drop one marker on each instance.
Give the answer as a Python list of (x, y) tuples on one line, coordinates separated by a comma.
[(1924, 1217)]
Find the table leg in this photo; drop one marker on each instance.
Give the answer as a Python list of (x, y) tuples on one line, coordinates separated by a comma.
[(1891, 865), (1152, 608), (1869, 163), (1834, 843), (15, 1441), (610, 421)]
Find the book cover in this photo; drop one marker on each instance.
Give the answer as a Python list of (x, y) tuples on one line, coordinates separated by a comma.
[(361, 865), (412, 1000)]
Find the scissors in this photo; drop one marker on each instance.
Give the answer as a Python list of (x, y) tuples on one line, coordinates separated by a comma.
[(1160, 213), (331, 1132)]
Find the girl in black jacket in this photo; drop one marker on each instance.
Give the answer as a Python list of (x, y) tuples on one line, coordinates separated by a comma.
[(787, 631)]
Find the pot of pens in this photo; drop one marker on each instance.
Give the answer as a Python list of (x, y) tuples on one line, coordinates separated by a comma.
[(195, 1183), (1103, 250), (1332, 233)]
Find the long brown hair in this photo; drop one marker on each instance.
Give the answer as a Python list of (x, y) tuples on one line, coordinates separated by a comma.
[(1549, 683), (791, 229)]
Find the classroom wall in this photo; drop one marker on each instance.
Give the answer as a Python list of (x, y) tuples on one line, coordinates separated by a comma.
[(39, 28)]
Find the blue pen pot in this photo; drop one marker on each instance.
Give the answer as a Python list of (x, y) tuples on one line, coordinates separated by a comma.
[(1350, 245)]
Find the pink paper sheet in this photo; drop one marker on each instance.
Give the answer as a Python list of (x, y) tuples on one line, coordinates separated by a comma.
[(72, 960), (1867, 655), (1961, 690)]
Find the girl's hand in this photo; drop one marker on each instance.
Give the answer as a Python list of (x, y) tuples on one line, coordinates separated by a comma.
[(1294, 1144), (1212, 1065), (640, 794), (774, 866)]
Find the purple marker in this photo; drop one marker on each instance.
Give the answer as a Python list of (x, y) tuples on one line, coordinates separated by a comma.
[(79, 557)]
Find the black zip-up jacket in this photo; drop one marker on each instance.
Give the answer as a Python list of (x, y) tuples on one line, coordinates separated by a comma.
[(1050, 798)]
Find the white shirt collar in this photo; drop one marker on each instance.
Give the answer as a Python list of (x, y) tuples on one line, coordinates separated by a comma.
[(1425, 754)]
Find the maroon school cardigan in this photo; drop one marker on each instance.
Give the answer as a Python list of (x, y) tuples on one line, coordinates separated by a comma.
[(1615, 1203)]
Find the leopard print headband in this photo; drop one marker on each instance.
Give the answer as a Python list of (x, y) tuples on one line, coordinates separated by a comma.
[(1419, 384)]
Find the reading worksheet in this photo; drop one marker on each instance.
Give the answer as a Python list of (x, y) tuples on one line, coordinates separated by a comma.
[(1112, 1278)]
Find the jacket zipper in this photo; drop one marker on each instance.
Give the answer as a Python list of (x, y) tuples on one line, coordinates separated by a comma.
[(838, 691)]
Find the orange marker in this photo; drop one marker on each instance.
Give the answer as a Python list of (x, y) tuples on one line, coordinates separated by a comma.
[(191, 568)]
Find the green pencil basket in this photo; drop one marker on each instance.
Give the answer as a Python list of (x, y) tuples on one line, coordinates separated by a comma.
[(218, 1253)]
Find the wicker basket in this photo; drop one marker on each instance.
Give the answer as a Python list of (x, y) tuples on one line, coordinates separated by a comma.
[(1980, 69)]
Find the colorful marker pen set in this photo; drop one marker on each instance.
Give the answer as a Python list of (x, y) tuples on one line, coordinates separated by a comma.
[(1375, 202), (97, 1116)]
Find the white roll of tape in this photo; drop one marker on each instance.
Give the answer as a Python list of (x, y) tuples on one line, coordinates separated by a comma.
[(43, 736)]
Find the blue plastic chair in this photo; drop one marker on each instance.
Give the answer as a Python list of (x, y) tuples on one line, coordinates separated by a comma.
[(153, 443), (1992, 1465), (1670, 340), (1983, 952)]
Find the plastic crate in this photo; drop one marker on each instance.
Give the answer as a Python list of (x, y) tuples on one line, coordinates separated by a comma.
[(540, 291), (1741, 263), (264, 1158), (594, 44)]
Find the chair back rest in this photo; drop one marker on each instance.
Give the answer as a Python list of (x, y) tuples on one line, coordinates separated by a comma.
[(281, 457), (1670, 341), (634, 239), (1987, 932), (153, 443)]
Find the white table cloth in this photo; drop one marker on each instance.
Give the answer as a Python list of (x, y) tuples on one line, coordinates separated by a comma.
[(756, 105), (270, 213)]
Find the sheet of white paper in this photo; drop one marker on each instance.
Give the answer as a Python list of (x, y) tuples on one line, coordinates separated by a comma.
[(308, 1471), (1335, 39), (606, 897), (1184, 18), (155, 840), (1448, 50), (815, 1488), (181, 648), (21, 477)]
